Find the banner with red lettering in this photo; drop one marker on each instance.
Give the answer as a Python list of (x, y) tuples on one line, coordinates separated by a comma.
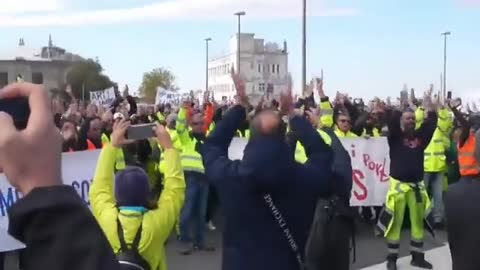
[(371, 169)]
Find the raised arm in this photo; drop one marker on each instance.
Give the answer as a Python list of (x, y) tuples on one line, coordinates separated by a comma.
[(181, 125), (215, 149), (319, 155), (101, 191), (173, 194)]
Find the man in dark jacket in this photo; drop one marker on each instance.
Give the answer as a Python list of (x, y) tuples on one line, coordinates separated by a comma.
[(267, 175), (51, 219)]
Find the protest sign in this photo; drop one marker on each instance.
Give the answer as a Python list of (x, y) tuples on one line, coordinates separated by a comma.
[(165, 96), (103, 98), (370, 163), (371, 170)]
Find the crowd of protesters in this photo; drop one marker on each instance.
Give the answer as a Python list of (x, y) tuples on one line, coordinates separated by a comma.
[(292, 166)]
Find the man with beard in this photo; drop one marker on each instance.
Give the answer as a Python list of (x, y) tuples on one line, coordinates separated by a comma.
[(406, 186), (90, 134)]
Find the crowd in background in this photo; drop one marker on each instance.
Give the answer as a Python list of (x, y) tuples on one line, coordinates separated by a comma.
[(176, 185)]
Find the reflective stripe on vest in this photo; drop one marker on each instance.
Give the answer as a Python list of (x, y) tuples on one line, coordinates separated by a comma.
[(467, 163), (434, 155), (191, 159), (326, 112)]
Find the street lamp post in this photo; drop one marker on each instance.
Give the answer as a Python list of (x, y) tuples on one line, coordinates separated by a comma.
[(304, 47), (445, 34), (206, 63), (239, 14)]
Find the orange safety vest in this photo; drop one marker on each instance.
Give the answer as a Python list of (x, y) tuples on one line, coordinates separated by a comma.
[(467, 163), (90, 145)]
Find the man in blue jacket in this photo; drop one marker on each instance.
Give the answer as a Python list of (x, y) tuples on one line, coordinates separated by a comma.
[(254, 238)]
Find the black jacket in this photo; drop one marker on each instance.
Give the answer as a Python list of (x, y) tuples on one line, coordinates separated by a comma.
[(59, 231), (252, 239)]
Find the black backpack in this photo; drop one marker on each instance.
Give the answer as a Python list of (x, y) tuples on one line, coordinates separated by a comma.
[(329, 209), (130, 258)]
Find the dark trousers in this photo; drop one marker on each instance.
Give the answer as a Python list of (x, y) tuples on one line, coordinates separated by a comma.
[(463, 223), (329, 245), (192, 216), (212, 205)]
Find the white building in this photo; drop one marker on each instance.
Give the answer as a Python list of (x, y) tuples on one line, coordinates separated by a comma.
[(261, 64)]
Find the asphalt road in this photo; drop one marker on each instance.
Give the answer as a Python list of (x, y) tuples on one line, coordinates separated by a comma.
[(370, 250)]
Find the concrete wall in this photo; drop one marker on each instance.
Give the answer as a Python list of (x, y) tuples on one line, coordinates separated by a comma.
[(54, 73)]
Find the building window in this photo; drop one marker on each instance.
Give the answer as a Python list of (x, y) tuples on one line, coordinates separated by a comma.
[(259, 68), (268, 68), (3, 79), (37, 78), (261, 87), (278, 69)]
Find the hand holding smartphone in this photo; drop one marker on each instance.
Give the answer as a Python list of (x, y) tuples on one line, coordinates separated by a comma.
[(141, 132), (18, 109)]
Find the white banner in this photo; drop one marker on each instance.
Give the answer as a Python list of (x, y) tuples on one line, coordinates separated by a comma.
[(165, 96), (103, 98), (370, 162), (371, 170)]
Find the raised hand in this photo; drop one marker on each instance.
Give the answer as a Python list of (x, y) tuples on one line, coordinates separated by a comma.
[(118, 137), (241, 97), (163, 138), (320, 91), (30, 158), (286, 100)]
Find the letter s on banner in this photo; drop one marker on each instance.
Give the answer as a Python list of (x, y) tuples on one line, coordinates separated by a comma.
[(358, 178)]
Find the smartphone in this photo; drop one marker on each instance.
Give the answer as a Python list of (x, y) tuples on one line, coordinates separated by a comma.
[(18, 109), (449, 95), (141, 132)]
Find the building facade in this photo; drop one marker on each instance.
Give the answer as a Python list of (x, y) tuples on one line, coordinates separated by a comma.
[(264, 66), (48, 65)]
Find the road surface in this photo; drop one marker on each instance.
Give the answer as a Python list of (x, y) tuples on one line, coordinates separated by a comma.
[(370, 252)]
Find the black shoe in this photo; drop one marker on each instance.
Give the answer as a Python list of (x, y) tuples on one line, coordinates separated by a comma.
[(204, 248), (391, 265), (418, 260), (186, 249)]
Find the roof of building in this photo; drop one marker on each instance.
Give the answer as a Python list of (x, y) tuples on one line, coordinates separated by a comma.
[(44, 54), (22, 53)]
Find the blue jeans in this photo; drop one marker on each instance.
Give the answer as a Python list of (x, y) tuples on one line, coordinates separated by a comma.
[(194, 210), (434, 186)]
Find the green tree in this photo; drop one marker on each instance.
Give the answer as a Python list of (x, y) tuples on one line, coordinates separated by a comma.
[(88, 76), (151, 80)]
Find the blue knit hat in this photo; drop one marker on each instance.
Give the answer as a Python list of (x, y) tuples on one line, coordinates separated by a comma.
[(132, 187)]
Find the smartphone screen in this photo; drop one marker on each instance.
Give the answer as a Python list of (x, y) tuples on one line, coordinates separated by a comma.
[(18, 109), (141, 132)]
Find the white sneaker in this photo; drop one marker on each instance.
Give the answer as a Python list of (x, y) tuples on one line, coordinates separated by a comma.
[(210, 226)]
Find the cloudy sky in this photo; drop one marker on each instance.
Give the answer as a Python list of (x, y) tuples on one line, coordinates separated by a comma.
[(366, 47)]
